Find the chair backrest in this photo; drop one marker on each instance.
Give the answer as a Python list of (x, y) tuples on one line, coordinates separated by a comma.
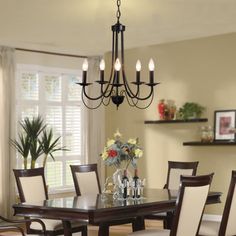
[(31, 184), (228, 226), (85, 179), (190, 204), (177, 168)]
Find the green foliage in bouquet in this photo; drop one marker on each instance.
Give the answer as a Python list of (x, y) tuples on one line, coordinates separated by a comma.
[(116, 152)]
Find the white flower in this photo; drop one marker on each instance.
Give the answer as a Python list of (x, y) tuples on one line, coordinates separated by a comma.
[(104, 154), (138, 153), (132, 141), (117, 134), (110, 142)]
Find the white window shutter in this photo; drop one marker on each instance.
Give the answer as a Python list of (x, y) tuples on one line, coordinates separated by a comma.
[(53, 94)]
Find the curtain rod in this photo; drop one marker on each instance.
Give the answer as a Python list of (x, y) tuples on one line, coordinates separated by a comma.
[(51, 53)]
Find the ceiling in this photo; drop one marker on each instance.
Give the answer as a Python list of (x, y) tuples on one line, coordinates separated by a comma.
[(82, 27)]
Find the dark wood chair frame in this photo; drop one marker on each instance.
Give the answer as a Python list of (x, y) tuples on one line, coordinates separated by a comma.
[(180, 165), (188, 181), (40, 172), (90, 168), (228, 203), (83, 169), (14, 225), (167, 219)]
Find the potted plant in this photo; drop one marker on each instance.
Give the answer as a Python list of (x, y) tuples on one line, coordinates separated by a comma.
[(35, 140), (190, 110)]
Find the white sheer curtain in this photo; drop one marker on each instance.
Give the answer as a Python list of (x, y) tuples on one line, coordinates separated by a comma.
[(95, 121), (7, 128)]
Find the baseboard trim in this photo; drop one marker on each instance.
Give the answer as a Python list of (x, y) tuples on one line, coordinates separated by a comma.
[(212, 217)]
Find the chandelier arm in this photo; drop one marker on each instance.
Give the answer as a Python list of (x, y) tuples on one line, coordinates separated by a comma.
[(126, 84), (91, 108), (148, 96), (106, 104), (131, 103), (135, 104), (91, 98), (112, 69), (127, 87), (148, 105)]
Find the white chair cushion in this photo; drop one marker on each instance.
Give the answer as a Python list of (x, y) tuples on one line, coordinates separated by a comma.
[(174, 177), (54, 224), (87, 182), (151, 232), (209, 228), (33, 188), (190, 214)]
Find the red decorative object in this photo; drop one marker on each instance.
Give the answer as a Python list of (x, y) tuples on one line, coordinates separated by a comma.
[(161, 109)]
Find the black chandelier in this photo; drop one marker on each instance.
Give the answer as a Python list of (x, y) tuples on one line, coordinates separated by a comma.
[(117, 87)]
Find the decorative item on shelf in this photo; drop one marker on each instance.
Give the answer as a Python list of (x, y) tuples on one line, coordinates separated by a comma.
[(121, 154), (190, 110), (117, 88), (207, 135), (161, 109), (225, 124), (166, 110), (36, 140)]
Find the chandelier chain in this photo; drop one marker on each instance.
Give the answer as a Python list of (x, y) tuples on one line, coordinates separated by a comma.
[(118, 13)]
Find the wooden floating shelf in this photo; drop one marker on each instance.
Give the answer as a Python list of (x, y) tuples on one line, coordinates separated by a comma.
[(214, 143), (175, 121)]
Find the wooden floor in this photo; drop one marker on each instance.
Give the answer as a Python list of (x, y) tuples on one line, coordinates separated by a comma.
[(121, 230)]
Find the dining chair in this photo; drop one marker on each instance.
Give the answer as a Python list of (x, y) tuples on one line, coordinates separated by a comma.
[(190, 205), (227, 225), (32, 188), (13, 225), (175, 170), (86, 181)]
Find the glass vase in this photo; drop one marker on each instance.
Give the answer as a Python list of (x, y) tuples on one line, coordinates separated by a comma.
[(117, 182)]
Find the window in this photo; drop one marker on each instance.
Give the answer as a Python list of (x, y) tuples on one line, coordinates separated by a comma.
[(53, 94)]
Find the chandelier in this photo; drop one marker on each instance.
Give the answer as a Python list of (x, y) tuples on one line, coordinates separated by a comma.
[(116, 88)]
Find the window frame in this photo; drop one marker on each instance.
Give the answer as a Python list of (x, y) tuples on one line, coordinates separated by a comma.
[(42, 103)]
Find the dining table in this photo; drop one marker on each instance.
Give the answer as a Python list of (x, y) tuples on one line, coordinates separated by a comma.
[(97, 209)]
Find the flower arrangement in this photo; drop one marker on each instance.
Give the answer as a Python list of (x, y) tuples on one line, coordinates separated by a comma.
[(117, 152)]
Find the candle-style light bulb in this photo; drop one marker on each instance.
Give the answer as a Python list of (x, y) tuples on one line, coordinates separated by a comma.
[(102, 64), (138, 65), (85, 65), (151, 65), (138, 69), (117, 65)]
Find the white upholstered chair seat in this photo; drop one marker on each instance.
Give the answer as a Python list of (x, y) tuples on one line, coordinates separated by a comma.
[(210, 228), (151, 232), (54, 224)]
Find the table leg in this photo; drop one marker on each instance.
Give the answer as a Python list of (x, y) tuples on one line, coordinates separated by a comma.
[(169, 220), (103, 230), (67, 228), (139, 223)]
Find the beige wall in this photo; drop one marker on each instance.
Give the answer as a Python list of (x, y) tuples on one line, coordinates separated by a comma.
[(200, 70)]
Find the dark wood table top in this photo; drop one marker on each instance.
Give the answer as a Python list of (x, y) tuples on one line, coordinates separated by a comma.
[(101, 207)]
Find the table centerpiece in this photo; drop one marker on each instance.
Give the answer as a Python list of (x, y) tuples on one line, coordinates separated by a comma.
[(121, 155)]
